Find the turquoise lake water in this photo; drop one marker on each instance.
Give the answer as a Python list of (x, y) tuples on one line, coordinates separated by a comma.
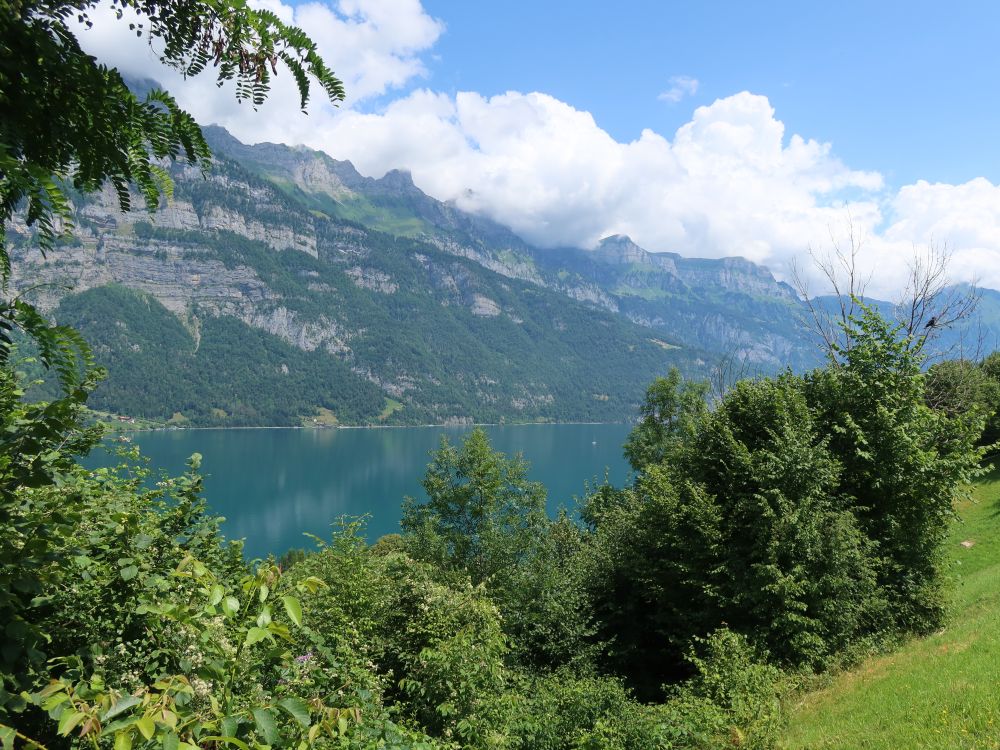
[(274, 485)]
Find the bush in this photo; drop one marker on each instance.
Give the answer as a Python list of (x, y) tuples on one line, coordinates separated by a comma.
[(805, 513), (427, 644)]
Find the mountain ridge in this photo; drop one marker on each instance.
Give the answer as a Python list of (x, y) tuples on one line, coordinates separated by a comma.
[(447, 315)]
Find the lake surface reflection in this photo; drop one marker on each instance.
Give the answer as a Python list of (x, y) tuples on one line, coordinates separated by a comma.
[(274, 485)]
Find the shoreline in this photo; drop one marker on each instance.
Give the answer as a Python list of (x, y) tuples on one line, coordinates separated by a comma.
[(116, 428)]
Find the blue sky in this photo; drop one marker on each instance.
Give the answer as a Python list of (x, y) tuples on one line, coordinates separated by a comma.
[(712, 129), (910, 89)]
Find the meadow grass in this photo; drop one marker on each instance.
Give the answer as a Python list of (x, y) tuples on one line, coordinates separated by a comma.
[(939, 692)]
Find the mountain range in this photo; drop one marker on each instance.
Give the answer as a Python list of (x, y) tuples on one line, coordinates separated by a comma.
[(283, 287)]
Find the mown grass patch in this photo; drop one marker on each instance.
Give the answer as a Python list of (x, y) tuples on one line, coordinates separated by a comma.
[(391, 407), (937, 692), (322, 418)]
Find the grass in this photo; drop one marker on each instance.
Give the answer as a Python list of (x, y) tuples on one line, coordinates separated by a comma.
[(322, 418), (391, 407), (393, 221), (936, 692), (663, 344)]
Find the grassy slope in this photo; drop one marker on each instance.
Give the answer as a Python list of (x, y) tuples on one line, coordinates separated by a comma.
[(938, 692)]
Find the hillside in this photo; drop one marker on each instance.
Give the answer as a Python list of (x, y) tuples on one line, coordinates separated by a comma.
[(251, 309), (285, 288), (934, 692), (728, 305)]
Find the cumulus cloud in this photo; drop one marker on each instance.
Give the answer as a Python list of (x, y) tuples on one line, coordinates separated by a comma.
[(679, 87), (731, 181)]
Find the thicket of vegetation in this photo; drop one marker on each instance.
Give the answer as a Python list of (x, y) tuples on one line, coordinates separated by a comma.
[(795, 524)]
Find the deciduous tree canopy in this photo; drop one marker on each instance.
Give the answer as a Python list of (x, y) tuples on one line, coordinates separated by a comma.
[(66, 118)]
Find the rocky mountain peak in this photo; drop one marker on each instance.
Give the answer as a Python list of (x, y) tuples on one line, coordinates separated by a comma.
[(398, 181), (619, 248)]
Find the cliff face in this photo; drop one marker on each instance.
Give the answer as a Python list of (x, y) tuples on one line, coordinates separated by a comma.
[(443, 328), (393, 295), (716, 305)]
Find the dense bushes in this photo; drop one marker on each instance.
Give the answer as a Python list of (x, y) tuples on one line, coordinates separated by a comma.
[(798, 520), (961, 387), (806, 513)]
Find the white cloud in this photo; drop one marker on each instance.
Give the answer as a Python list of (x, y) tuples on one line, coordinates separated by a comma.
[(730, 181), (965, 218), (680, 86), (373, 46)]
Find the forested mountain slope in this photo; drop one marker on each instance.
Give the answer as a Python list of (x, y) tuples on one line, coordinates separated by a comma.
[(284, 287), (248, 308)]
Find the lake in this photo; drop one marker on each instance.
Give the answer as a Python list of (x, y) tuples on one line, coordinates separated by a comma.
[(274, 485)]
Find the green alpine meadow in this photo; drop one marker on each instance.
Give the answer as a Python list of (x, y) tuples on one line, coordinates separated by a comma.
[(325, 227)]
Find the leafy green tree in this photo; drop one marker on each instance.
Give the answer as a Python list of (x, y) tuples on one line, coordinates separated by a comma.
[(991, 434), (651, 567), (386, 630), (808, 514), (67, 121), (546, 606), (482, 515), (903, 464), (65, 117), (741, 527), (39, 443), (484, 519), (796, 575), (960, 386), (668, 414)]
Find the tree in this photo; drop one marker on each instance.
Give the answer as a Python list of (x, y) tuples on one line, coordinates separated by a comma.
[(903, 464), (806, 513), (67, 121), (65, 118), (670, 410), (928, 303), (960, 386), (482, 516)]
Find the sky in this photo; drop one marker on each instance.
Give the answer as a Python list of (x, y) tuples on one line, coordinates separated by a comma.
[(711, 129)]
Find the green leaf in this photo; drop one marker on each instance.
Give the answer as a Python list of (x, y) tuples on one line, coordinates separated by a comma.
[(171, 741), (230, 725), (297, 709), (264, 618), (121, 705), (125, 721), (293, 608), (230, 606), (255, 635), (217, 593), (49, 689), (146, 726), (129, 573), (264, 720), (70, 720), (54, 700), (123, 741)]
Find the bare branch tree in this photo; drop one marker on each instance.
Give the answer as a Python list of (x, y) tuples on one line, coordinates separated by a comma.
[(928, 304), (732, 366), (847, 286)]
